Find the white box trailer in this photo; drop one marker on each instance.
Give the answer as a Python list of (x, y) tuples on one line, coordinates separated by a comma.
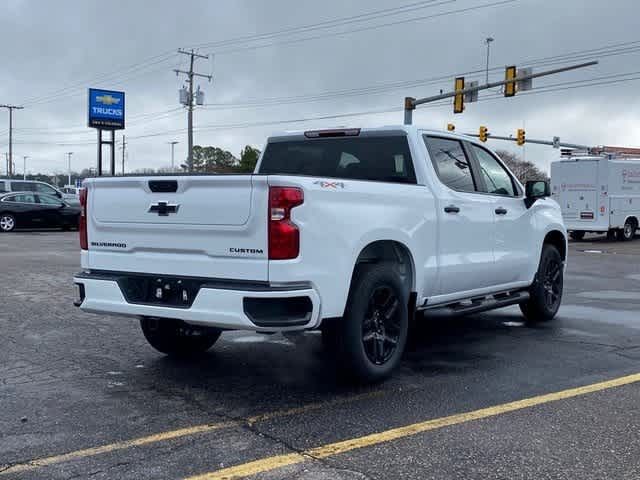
[(598, 194)]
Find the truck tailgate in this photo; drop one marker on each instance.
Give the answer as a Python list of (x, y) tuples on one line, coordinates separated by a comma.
[(200, 226)]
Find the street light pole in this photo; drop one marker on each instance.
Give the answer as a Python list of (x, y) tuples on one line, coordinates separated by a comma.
[(69, 165), (488, 42), (173, 144), (24, 167)]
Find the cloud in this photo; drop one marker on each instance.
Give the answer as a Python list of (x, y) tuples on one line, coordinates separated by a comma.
[(54, 51)]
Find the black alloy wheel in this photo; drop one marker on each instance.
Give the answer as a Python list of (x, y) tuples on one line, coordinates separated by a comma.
[(370, 338), (546, 291), (552, 284), (381, 325)]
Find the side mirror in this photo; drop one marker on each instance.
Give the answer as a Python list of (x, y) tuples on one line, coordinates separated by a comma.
[(58, 194), (536, 189)]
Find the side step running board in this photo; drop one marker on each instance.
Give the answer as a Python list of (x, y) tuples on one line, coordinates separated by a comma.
[(481, 304)]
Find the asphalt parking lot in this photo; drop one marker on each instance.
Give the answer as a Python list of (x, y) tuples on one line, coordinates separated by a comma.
[(84, 396)]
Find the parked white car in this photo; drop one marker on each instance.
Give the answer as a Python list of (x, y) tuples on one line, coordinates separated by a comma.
[(350, 231)]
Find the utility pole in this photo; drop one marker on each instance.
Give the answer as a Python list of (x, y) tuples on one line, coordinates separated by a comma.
[(189, 101), (124, 147), (173, 144), (11, 108), (69, 165), (24, 167)]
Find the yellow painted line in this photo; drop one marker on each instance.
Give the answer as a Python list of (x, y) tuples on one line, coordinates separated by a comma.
[(179, 433), (112, 447), (271, 463), (314, 406)]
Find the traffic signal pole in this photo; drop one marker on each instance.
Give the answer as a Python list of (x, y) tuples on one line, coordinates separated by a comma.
[(411, 103), (554, 144)]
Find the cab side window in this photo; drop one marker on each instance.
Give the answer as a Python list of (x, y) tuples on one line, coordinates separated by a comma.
[(497, 180), (451, 163)]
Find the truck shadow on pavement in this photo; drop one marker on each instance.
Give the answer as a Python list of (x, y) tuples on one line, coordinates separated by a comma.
[(249, 369)]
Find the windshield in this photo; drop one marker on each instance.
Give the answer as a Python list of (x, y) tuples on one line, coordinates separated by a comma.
[(385, 159)]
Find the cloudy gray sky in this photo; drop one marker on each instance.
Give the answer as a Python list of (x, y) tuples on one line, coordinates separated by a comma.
[(53, 51)]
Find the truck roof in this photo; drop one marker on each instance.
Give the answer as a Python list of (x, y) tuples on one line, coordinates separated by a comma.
[(372, 130)]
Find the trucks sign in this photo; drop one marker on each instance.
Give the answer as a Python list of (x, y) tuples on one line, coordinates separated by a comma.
[(106, 109)]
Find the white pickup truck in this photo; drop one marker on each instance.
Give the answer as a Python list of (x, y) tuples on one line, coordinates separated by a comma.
[(350, 231)]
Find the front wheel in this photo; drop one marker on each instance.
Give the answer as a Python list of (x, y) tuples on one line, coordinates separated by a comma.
[(371, 337), (546, 291), (7, 222), (177, 338)]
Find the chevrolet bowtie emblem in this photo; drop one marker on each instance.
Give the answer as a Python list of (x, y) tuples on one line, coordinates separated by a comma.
[(107, 99), (163, 208)]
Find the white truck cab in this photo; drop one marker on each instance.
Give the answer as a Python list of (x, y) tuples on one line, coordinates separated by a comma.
[(350, 231)]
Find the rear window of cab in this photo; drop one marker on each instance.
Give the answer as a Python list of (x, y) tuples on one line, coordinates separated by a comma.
[(382, 159)]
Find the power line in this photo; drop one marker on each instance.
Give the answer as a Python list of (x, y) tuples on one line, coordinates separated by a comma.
[(601, 52), (70, 90), (548, 89), (327, 23), (101, 77), (370, 27), (163, 57)]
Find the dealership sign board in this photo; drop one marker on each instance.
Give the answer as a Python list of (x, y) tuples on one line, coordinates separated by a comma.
[(106, 109)]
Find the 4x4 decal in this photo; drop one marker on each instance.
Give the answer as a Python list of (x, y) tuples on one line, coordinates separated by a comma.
[(325, 184)]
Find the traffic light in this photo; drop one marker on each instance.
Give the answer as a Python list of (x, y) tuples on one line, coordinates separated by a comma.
[(484, 134), (451, 127), (458, 100), (510, 76), (520, 138)]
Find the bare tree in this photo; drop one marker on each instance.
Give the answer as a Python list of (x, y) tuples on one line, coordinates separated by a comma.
[(523, 170)]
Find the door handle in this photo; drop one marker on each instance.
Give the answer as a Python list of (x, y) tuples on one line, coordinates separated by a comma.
[(501, 211), (451, 209)]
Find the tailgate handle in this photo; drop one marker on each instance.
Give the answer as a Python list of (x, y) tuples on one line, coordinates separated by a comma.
[(163, 186)]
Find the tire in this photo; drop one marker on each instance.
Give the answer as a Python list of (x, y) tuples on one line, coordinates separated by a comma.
[(546, 291), (371, 337), (577, 235), (177, 338), (628, 232), (7, 222)]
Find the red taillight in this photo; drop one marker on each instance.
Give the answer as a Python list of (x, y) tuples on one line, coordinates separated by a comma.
[(284, 236), (82, 223)]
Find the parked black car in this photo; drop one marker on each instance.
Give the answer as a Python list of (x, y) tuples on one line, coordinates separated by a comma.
[(36, 210)]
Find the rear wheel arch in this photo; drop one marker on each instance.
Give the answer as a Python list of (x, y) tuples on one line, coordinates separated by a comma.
[(388, 251)]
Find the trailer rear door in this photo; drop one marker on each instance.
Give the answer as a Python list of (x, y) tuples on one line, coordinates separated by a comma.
[(575, 186)]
